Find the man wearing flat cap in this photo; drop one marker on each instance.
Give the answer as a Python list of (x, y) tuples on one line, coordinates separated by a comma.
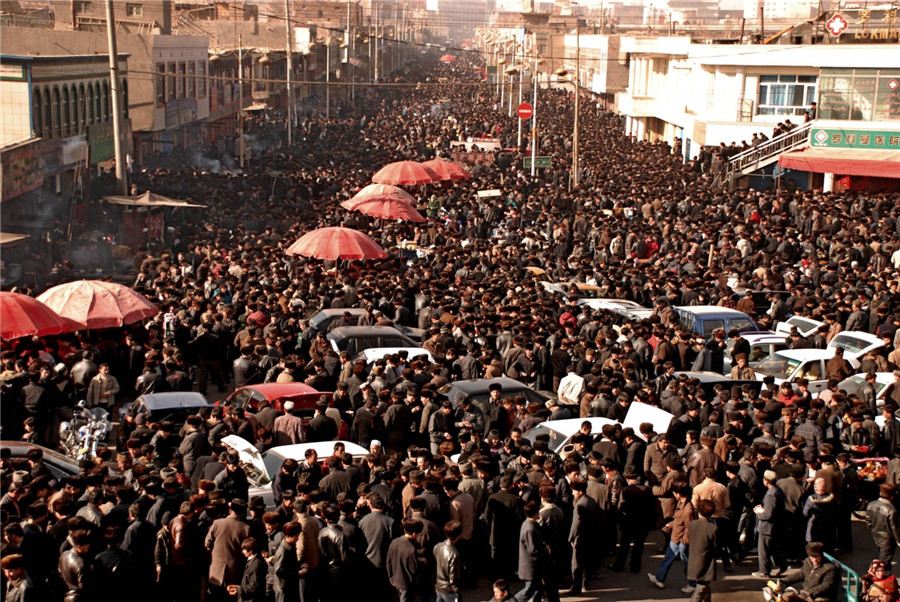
[(818, 576)]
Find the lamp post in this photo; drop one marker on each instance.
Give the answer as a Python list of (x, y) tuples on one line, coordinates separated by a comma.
[(534, 115), (327, 79), (516, 71), (501, 85), (573, 179)]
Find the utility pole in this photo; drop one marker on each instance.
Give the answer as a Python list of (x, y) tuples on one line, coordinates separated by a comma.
[(534, 111), (241, 97), (116, 89), (289, 52), (573, 181), (328, 78), (377, 44)]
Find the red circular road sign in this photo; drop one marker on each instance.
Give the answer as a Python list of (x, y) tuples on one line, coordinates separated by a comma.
[(525, 111)]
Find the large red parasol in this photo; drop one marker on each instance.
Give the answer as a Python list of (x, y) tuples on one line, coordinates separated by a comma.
[(406, 173), (22, 316), (336, 243), (388, 209), (381, 192), (448, 58), (98, 304), (448, 170)]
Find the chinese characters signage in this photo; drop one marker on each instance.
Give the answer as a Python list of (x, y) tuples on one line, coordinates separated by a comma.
[(859, 139)]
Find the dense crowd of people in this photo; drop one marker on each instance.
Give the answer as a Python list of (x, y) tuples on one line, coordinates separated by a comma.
[(449, 494)]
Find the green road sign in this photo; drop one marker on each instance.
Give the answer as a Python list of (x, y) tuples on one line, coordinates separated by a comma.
[(538, 162)]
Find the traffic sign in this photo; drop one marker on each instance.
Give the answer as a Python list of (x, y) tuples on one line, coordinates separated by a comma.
[(538, 162), (837, 24), (525, 111)]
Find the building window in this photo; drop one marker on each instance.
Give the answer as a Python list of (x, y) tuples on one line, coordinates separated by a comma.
[(201, 84), (57, 114), (192, 81), (170, 83), (106, 101), (76, 112), (98, 101), (48, 115), (859, 94), (66, 115), (160, 84), (125, 98), (134, 10), (37, 115), (82, 110), (90, 104), (83, 8), (785, 94), (182, 80)]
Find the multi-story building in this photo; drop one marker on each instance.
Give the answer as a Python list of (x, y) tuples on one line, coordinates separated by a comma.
[(57, 121), (707, 94)]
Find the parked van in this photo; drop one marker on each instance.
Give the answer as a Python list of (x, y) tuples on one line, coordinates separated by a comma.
[(706, 319)]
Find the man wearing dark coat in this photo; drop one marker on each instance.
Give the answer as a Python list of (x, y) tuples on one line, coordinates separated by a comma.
[(503, 517), (702, 552), (532, 555), (402, 561), (253, 581), (224, 541), (583, 536)]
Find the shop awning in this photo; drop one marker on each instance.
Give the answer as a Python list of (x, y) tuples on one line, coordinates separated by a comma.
[(148, 199), (845, 162), (8, 239)]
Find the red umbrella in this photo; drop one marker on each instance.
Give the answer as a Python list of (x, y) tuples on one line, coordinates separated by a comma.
[(98, 304), (336, 243), (448, 170), (22, 316), (448, 58), (389, 209), (405, 173), (381, 192)]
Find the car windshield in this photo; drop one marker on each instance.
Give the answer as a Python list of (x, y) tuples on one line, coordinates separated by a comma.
[(853, 384), (742, 325), (801, 323), (778, 366), (530, 395), (240, 398), (318, 320), (849, 343), (557, 439)]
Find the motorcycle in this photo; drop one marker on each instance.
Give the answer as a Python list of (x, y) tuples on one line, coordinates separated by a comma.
[(87, 431)]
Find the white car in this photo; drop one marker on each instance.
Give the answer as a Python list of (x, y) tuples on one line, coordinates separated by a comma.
[(792, 364), (805, 326), (853, 384), (261, 468), (371, 355), (762, 345), (561, 431), (854, 343)]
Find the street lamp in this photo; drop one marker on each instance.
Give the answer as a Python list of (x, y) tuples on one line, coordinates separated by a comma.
[(501, 86), (534, 82), (562, 72), (511, 72)]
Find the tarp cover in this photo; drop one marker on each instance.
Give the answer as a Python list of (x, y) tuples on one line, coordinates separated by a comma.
[(148, 199)]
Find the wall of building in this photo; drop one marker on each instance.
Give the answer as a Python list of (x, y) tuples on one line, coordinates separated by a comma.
[(15, 125)]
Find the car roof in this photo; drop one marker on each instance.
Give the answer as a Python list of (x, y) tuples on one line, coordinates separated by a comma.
[(340, 311), (805, 354), (323, 449), (884, 378), (345, 332), (20, 448), (480, 385), (275, 390), (704, 376), (711, 310), (856, 334), (376, 353), (178, 399), (763, 337), (569, 426)]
